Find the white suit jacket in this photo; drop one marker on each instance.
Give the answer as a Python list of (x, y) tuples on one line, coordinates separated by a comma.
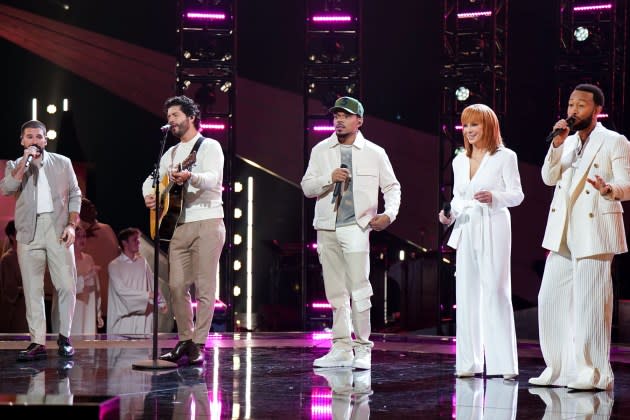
[(595, 219), (371, 171)]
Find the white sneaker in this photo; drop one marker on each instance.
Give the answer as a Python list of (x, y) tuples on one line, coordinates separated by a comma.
[(339, 379), (336, 357), (362, 357)]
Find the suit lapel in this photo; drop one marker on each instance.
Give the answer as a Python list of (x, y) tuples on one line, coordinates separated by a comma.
[(590, 151)]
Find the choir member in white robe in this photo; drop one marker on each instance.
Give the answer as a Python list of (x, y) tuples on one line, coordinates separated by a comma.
[(130, 309), (486, 183), (87, 310)]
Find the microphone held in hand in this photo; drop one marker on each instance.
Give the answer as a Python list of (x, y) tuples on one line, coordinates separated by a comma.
[(30, 158), (570, 122), (338, 185), (446, 208)]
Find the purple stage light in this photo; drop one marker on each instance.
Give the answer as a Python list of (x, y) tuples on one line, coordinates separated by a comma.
[(459, 127), (208, 126), (602, 116), (592, 7), (321, 336), (320, 305), (323, 128), (205, 16), (472, 15), (331, 18)]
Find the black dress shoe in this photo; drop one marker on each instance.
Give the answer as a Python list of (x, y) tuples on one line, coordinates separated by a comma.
[(33, 352), (65, 348), (196, 354), (180, 350)]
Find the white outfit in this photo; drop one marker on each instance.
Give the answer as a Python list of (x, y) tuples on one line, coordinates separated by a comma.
[(84, 319), (344, 252), (483, 239), (130, 282), (584, 231)]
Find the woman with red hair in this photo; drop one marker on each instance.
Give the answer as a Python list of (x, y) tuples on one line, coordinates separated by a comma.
[(486, 182)]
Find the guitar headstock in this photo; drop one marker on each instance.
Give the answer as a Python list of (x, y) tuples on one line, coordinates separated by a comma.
[(189, 162)]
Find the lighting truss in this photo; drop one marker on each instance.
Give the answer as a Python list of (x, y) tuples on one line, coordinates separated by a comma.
[(599, 58)]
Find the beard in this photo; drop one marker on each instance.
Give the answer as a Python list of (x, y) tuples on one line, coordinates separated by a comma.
[(585, 123)]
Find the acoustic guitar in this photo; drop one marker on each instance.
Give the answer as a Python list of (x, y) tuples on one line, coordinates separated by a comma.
[(171, 202)]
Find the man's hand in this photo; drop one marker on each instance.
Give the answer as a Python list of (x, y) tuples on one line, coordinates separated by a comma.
[(67, 237), (340, 175), (560, 138), (380, 222), (149, 201), (180, 177)]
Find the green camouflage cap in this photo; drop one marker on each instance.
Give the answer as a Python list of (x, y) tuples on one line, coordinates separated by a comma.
[(348, 104)]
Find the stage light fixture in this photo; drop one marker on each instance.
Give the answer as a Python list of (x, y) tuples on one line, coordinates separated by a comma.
[(238, 187), (581, 33), (236, 292), (225, 87), (51, 134), (238, 213), (51, 109), (237, 265), (238, 239), (462, 93)]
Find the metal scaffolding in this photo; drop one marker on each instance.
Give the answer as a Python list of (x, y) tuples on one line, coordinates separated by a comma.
[(474, 71), (592, 48), (332, 69), (206, 72)]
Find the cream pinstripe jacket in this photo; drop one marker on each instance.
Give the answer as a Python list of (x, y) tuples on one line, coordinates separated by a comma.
[(595, 219)]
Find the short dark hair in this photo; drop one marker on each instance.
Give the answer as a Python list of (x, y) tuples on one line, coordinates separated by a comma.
[(127, 233), (188, 106), (88, 211), (9, 229), (598, 94), (33, 124)]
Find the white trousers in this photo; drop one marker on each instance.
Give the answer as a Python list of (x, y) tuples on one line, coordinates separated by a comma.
[(497, 402), (575, 318), (345, 258), (483, 292), (33, 257)]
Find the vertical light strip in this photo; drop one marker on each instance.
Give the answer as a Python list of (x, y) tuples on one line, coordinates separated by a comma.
[(248, 380), (34, 109), (66, 105), (250, 224), (215, 403), (218, 283), (385, 296), (236, 398)]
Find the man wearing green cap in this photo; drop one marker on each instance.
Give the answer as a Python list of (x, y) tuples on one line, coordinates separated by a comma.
[(344, 173)]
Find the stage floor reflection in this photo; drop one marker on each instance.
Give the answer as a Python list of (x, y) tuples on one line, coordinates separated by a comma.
[(270, 376)]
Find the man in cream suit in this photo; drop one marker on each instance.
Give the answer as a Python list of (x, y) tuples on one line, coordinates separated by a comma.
[(590, 171)]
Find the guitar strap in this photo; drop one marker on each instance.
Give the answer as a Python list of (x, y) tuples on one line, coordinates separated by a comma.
[(192, 152)]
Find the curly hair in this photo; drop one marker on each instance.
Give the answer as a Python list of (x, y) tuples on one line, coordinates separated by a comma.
[(187, 105)]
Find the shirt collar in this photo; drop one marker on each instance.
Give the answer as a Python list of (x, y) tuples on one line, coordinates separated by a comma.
[(359, 141)]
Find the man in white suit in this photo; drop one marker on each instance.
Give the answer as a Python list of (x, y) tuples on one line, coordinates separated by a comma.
[(590, 171)]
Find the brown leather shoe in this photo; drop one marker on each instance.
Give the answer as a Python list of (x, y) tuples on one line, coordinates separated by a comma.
[(33, 352)]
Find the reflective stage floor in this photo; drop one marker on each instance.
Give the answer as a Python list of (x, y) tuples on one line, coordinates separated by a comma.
[(270, 376)]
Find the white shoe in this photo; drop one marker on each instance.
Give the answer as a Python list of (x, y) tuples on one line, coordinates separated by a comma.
[(336, 357), (464, 374), (362, 383), (339, 380), (509, 376), (362, 357), (583, 386), (544, 379)]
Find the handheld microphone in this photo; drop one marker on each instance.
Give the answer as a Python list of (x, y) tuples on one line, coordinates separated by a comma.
[(446, 208), (30, 158), (338, 185), (570, 122), (165, 128)]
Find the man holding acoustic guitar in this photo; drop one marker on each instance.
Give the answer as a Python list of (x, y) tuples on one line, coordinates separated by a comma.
[(191, 177)]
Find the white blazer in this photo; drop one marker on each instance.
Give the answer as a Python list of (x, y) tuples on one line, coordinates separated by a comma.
[(497, 173), (595, 219)]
